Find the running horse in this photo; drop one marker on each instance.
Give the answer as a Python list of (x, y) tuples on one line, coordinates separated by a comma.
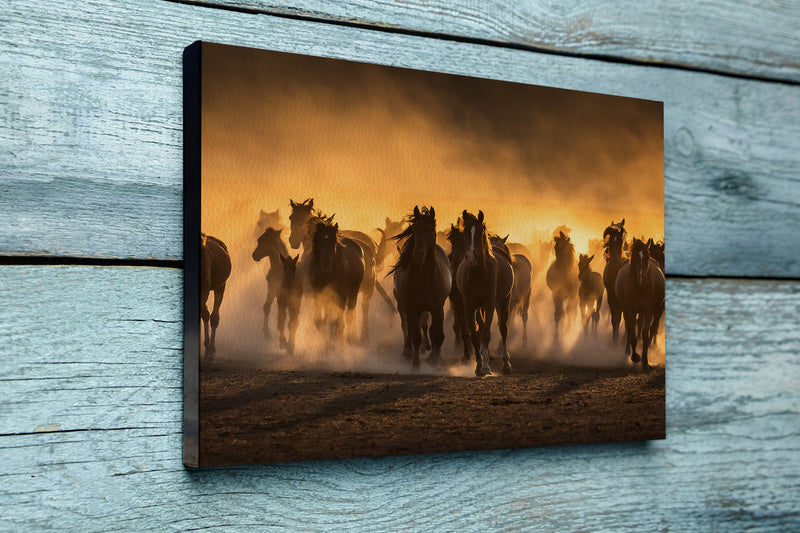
[(562, 280), (521, 292), (335, 271), (614, 240), (215, 268), (485, 280), (272, 246), (640, 290), (422, 282), (304, 219), (458, 250), (590, 293)]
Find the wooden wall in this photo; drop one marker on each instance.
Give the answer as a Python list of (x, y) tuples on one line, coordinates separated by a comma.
[(90, 240)]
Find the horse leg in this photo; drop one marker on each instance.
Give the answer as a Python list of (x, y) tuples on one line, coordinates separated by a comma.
[(437, 335), (645, 318), (365, 301), (486, 337), (472, 335), (267, 308), (596, 315), (407, 349), (524, 313), (218, 295), (204, 316), (503, 313), (558, 311), (655, 324), (414, 332), (584, 320), (293, 316), (319, 312), (630, 330), (426, 340), (281, 323), (616, 315)]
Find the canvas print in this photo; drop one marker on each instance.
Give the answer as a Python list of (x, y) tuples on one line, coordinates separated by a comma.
[(388, 261)]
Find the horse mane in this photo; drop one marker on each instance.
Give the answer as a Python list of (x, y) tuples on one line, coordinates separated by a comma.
[(423, 216)]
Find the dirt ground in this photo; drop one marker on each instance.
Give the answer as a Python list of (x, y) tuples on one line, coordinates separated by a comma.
[(256, 415)]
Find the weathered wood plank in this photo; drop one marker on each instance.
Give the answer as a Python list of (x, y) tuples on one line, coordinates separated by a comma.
[(741, 38), (91, 158), (90, 438)]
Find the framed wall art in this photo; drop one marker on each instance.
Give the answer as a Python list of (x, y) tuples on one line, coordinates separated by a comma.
[(386, 261)]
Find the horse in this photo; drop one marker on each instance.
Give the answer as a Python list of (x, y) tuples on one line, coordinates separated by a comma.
[(485, 279), (590, 293), (640, 290), (521, 291), (656, 250), (215, 269), (562, 280), (386, 252), (290, 297), (304, 219), (335, 271), (269, 220), (614, 239), (272, 246), (422, 282), (458, 250)]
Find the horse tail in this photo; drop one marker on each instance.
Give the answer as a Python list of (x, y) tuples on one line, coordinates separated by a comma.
[(384, 295)]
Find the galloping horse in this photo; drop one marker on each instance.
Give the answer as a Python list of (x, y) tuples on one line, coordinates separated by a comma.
[(640, 290), (590, 293), (335, 270), (485, 279), (290, 298), (614, 239), (387, 252), (656, 250), (521, 292), (271, 245), (303, 221), (562, 280), (215, 268), (422, 282)]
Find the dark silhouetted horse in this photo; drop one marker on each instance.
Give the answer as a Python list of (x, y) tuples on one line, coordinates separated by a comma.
[(640, 290), (304, 219), (656, 250), (422, 283), (335, 270), (521, 292), (387, 251), (215, 268), (562, 280), (290, 297), (485, 279), (457, 252), (590, 293), (614, 239), (272, 246)]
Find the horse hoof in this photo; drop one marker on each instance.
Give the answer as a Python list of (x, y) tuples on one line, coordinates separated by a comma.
[(635, 357), (506, 369)]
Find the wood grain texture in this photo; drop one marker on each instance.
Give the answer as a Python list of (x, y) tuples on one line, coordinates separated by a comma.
[(90, 429), (742, 38), (91, 132)]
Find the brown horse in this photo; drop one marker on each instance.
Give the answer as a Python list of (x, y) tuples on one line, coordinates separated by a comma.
[(485, 279), (422, 283), (304, 219), (656, 250), (614, 239), (640, 289), (272, 246), (521, 292), (562, 280), (215, 268), (457, 252), (387, 252), (290, 298), (590, 293), (335, 271)]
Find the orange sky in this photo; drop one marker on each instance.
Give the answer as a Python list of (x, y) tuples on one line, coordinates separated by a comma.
[(369, 141)]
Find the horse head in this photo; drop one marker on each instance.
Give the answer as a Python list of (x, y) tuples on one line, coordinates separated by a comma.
[(269, 242), (583, 265), (301, 212), (324, 244), (289, 265), (614, 238), (640, 261), (457, 243), (390, 229), (563, 247), (475, 238), (423, 233)]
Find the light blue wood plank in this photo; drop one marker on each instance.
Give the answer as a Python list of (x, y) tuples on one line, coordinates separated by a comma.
[(747, 38), (91, 144), (90, 358)]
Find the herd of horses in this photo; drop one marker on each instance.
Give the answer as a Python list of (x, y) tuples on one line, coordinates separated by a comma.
[(483, 275)]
